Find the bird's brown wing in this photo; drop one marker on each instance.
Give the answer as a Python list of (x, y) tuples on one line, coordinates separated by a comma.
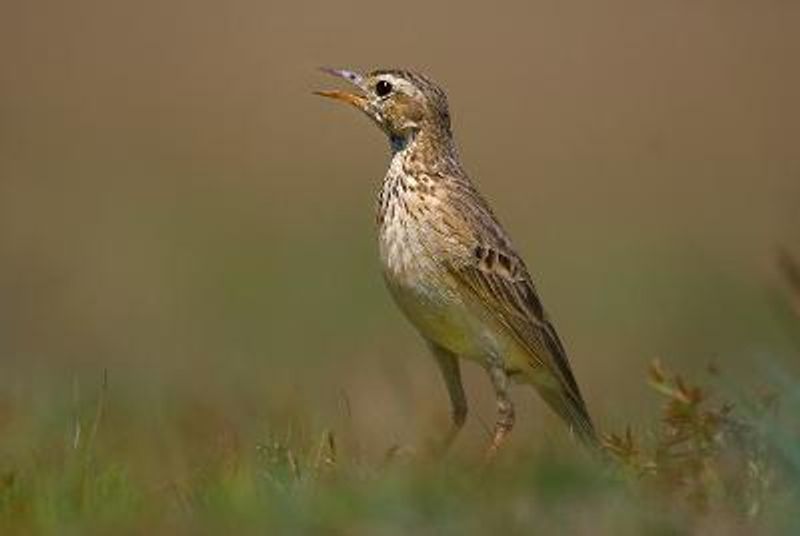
[(487, 269), (499, 280)]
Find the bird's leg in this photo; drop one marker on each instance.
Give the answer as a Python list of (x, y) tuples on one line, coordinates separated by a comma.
[(451, 372), (505, 408)]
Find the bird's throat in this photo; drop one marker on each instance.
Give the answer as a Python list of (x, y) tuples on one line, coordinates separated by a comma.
[(430, 150), (399, 143)]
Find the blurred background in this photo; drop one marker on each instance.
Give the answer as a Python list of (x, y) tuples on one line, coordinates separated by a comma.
[(178, 210)]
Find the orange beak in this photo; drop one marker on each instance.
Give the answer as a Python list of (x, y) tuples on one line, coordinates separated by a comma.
[(351, 98), (359, 101)]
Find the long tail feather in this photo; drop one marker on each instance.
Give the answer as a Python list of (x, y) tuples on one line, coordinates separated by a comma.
[(573, 412)]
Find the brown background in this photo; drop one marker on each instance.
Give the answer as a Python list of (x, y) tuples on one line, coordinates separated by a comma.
[(177, 208)]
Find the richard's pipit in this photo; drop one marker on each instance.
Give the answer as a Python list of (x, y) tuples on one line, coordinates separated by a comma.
[(449, 264)]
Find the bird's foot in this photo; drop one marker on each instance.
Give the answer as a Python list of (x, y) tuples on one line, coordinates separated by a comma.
[(500, 435)]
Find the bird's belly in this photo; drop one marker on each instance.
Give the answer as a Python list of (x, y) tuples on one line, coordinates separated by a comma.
[(442, 318), (430, 298), (465, 329), (431, 301)]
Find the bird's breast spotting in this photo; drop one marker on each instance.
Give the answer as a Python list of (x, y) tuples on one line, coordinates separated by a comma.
[(406, 212), (412, 250)]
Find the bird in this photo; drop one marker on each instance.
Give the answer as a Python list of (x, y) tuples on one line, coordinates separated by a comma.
[(449, 264)]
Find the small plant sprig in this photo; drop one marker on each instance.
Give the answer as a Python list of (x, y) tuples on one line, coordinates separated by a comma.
[(700, 450)]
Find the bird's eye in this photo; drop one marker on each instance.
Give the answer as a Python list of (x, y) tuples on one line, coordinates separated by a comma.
[(383, 88)]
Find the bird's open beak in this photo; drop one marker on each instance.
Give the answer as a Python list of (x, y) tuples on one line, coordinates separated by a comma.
[(357, 100)]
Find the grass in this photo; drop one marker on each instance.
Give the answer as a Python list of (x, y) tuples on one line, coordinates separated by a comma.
[(704, 462)]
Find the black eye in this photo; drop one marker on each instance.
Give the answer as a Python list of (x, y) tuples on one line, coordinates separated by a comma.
[(383, 88)]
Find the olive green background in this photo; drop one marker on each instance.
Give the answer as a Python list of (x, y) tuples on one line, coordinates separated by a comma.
[(178, 209)]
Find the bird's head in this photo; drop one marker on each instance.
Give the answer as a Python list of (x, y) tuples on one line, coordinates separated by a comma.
[(401, 103)]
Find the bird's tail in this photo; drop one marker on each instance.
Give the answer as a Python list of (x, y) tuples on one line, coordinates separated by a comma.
[(571, 408)]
